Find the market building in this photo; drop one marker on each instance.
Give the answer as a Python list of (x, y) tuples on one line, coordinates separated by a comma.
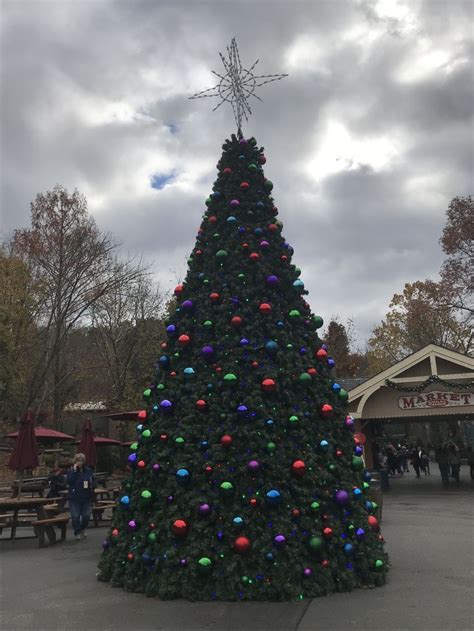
[(429, 394)]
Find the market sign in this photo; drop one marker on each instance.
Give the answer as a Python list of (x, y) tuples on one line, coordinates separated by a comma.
[(436, 400)]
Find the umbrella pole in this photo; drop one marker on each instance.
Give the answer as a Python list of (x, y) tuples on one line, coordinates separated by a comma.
[(20, 481)]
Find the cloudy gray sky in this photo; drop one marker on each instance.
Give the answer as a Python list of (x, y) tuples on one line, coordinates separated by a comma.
[(367, 140)]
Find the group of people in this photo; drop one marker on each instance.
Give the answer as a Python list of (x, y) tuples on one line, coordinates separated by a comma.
[(80, 483), (396, 460)]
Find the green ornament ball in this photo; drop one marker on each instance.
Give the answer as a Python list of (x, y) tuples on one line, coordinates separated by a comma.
[(160, 386), (226, 488), (204, 565), (315, 544), (343, 394), (379, 564), (318, 321), (221, 254), (147, 393), (357, 463), (294, 313), (315, 506), (207, 323), (271, 447), (151, 537), (305, 377), (179, 441), (146, 495), (230, 378), (134, 446), (252, 167), (294, 419), (146, 433)]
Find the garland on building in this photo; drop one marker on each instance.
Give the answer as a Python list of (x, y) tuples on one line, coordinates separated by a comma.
[(428, 382)]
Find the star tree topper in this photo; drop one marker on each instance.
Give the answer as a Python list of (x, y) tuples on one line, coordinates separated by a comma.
[(237, 85)]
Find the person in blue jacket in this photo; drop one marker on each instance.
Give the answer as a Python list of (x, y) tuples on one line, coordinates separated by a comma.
[(81, 484)]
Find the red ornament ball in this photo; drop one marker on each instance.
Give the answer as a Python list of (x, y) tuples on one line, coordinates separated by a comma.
[(130, 556), (295, 513), (227, 171), (244, 245), (325, 563), (141, 464), (298, 468), (208, 469), (339, 453), (163, 438), (253, 501), (212, 219), (226, 440), (244, 185), (373, 523), (198, 252), (242, 544), (236, 321), (265, 308), (321, 353), (164, 345), (172, 373), (115, 532), (254, 364), (179, 528), (201, 404), (254, 257), (283, 258), (328, 532), (327, 409), (268, 385), (273, 227), (184, 340), (214, 297), (312, 371), (141, 415), (178, 290)]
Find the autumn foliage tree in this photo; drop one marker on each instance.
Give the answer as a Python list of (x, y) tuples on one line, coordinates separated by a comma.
[(70, 260), (339, 338)]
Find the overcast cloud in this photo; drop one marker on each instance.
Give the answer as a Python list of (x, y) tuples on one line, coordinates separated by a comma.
[(367, 140)]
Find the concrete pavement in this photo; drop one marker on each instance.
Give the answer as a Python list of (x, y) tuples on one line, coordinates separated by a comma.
[(429, 534)]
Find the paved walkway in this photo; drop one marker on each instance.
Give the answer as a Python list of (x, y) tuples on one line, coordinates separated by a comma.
[(429, 539)]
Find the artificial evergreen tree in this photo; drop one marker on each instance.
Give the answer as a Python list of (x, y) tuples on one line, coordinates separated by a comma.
[(245, 481)]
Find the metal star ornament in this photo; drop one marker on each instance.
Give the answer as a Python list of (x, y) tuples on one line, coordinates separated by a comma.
[(237, 85)]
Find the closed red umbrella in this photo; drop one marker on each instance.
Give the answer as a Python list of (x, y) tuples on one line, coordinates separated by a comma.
[(25, 452), (87, 444)]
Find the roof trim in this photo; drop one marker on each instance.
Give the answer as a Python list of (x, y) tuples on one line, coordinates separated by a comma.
[(415, 358)]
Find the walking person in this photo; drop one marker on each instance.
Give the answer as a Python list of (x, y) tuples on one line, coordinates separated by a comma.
[(470, 460), (81, 488), (404, 458), (455, 462), (415, 461), (442, 458), (425, 462)]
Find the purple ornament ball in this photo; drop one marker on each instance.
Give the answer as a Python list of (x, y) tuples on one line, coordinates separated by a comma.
[(156, 467), (132, 524), (183, 562), (272, 280), (307, 572), (207, 351), (204, 510), (253, 466), (342, 497), (234, 203), (187, 305), (279, 541)]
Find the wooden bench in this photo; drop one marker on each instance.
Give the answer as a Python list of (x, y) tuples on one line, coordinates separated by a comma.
[(98, 510), (46, 526)]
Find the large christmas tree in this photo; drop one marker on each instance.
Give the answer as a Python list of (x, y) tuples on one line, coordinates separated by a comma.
[(245, 481)]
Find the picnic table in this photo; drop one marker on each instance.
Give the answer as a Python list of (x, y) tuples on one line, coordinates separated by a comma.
[(30, 511), (30, 485)]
